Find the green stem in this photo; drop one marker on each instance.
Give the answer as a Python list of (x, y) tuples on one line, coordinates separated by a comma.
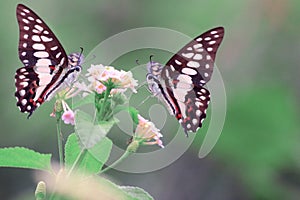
[(59, 142), (77, 161), (106, 94), (125, 155)]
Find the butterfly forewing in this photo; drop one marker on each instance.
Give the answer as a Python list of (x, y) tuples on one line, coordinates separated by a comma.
[(186, 73), (37, 43), (196, 59)]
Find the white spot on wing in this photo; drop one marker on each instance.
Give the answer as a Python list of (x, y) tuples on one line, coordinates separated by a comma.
[(46, 39), (207, 38), (213, 32), (198, 56), (41, 54), (24, 44), (23, 53), (30, 18), (209, 49), (188, 55), (25, 21), (188, 126), (28, 107), (195, 121), (206, 66), (26, 10), (26, 28), (193, 64), (21, 77), (25, 36), (189, 71), (38, 21), (43, 62), (38, 46), (202, 98), (24, 84), (206, 74), (58, 54), (198, 104), (198, 113), (189, 49), (197, 46), (24, 102), (208, 57), (177, 62), (203, 91), (54, 48), (38, 27), (216, 36), (23, 14), (46, 32), (36, 38), (212, 42), (199, 39), (22, 92), (35, 31)]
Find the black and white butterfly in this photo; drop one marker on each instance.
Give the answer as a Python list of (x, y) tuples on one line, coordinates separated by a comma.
[(180, 83), (47, 68)]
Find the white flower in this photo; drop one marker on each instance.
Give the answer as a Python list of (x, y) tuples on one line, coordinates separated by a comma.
[(99, 74)]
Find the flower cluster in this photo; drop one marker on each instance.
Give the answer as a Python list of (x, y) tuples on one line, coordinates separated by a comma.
[(147, 134), (100, 75)]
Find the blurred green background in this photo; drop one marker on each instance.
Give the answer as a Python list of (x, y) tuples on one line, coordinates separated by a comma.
[(257, 155)]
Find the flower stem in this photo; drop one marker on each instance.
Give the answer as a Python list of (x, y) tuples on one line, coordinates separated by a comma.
[(77, 161), (59, 142), (106, 94), (125, 155)]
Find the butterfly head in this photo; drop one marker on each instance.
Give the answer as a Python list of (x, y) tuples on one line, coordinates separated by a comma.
[(154, 68), (75, 61)]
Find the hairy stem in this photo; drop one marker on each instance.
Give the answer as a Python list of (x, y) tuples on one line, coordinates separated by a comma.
[(125, 155), (59, 142)]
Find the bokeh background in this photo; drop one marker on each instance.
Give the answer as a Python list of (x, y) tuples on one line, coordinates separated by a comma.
[(257, 155)]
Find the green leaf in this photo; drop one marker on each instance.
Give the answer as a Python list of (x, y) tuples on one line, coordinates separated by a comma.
[(93, 159), (90, 99), (131, 110), (21, 157), (89, 133), (137, 193)]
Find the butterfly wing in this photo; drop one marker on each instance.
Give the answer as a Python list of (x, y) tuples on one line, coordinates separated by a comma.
[(186, 73), (43, 57)]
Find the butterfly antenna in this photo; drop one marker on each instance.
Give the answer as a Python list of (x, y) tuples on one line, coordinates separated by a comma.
[(81, 51), (137, 62), (150, 58)]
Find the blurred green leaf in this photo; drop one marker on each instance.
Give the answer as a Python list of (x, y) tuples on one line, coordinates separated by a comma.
[(89, 99), (131, 110), (21, 157), (93, 160), (137, 193), (89, 133)]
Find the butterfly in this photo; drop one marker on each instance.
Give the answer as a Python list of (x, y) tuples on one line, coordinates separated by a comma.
[(179, 84), (47, 68)]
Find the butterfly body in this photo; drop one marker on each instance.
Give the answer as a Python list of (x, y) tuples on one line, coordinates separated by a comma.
[(47, 68), (180, 83)]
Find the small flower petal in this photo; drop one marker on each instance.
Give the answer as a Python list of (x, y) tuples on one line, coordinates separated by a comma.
[(68, 117), (147, 133)]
